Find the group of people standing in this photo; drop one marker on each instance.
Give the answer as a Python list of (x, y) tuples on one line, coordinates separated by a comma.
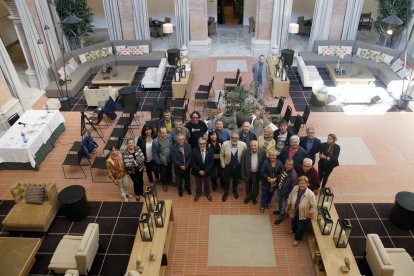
[(283, 163)]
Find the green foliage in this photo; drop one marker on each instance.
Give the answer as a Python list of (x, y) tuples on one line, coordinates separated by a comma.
[(401, 8), (240, 99), (79, 8)]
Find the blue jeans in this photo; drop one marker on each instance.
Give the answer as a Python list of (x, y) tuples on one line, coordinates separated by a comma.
[(299, 227), (267, 195), (282, 205), (260, 90)]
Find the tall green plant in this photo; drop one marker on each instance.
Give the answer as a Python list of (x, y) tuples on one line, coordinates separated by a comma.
[(79, 8), (240, 99), (401, 8)]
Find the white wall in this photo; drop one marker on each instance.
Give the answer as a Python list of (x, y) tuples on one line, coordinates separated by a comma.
[(302, 8), (249, 10), (159, 9), (371, 6), (212, 8), (7, 32), (98, 14)]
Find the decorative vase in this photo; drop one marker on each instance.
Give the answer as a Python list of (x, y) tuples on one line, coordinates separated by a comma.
[(228, 119), (403, 102)]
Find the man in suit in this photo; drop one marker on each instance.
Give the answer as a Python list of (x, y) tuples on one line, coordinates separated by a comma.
[(310, 143), (251, 160), (202, 166), (181, 159), (293, 151), (259, 76), (230, 158), (167, 121)]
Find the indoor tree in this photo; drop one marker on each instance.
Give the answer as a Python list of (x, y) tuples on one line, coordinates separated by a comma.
[(79, 8)]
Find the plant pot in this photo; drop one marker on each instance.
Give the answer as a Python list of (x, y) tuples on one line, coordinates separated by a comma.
[(403, 102), (228, 119), (64, 103), (241, 118)]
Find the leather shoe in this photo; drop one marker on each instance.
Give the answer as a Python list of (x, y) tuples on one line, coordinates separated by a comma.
[(180, 194), (254, 201), (278, 221), (165, 188), (214, 188), (246, 200), (276, 213), (224, 198), (209, 198), (236, 195), (197, 197), (189, 192)]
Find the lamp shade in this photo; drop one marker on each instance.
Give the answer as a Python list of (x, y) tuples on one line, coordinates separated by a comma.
[(71, 19), (293, 28), (392, 20), (167, 28)]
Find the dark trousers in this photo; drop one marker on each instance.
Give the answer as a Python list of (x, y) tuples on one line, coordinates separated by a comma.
[(151, 168), (231, 172), (138, 180), (324, 172), (166, 174), (252, 185), (267, 194), (199, 185), (181, 175), (218, 173), (299, 227)]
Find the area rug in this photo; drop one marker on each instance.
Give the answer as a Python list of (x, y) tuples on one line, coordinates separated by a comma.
[(244, 241), (231, 65), (354, 152)]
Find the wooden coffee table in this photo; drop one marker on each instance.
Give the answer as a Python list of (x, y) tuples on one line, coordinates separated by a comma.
[(126, 75), (354, 74)]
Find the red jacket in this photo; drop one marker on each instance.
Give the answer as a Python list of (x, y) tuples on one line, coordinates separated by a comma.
[(312, 175)]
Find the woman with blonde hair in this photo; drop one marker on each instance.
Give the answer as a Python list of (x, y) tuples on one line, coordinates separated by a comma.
[(266, 140), (301, 207)]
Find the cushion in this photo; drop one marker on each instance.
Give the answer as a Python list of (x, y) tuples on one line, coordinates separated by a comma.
[(321, 48), (348, 49), (145, 48), (358, 53), (35, 194), (125, 52), (334, 47), (132, 47), (405, 73), (92, 55), (118, 48), (73, 64), (387, 59), (328, 52), (137, 52), (341, 52), (397, 65), (82, 57), (365, 54), (110, 50), (104, 52), (374, 56)]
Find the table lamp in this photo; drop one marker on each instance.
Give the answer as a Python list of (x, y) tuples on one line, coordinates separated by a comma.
[(292, 29), (167, 28)]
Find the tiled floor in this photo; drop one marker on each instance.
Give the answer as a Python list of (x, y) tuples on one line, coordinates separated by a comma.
[(387, 136)]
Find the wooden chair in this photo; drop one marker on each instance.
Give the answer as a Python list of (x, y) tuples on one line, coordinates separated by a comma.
[(365, 21)]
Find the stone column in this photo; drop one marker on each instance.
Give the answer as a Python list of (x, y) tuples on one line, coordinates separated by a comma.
[(8, 104), (263, 28), (199, 44), (127, 18), (337, 19)]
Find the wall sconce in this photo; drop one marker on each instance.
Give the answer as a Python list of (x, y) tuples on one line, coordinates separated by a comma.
[(159, 214), (146, 228), (342, 233), (151, 199), (325, 198), (324, 221)]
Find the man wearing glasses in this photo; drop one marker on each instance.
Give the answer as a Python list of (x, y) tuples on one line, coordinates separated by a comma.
[(310, 143), (196, 128), (230, 157), (202, 166)]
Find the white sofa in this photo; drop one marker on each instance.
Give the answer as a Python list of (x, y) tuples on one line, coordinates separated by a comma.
[(154, 75), (308, 74), (96, 96), (76, 252), (387, 261)]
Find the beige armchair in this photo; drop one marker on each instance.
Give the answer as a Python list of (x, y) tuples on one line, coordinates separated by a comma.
[(76, 252), (32, 217), (387, 261), (72, 272)]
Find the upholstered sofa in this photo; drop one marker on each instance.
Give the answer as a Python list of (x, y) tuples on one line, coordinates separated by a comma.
[(32, 217), (76, 252), (154, 75), (380, 70), (387, 261), (308, 73), (96, 96), (84, 70)]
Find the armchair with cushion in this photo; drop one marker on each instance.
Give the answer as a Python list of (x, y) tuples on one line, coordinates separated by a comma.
[(387, 261), (309, 74), (36, 216), (76, 252), (154, 75)]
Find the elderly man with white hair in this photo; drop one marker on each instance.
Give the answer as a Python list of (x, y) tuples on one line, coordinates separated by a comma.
[(293, 151), (311, 173)]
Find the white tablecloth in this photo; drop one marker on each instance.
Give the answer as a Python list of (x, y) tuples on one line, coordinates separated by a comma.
[(38, 130)]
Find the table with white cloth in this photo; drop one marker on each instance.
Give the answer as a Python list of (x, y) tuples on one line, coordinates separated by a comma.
[(41, 130)]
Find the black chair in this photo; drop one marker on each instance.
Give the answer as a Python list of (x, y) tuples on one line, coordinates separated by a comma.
[(126, 121), (273, 113), (212, 107), (305, 116), (180, 112), (100, 164), (177, 103), (206, 88), (296, 126), (231, 88), (113, 143), (74, 160), (232, 81), (156, 114), (76, 146), (203, 96), (288, 114), (13, 119)]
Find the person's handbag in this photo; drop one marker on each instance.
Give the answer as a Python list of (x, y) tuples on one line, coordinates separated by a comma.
[(292, 213)]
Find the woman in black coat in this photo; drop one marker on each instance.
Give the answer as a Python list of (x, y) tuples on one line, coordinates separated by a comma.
[(215, 144), (328, 158), (145, 144)]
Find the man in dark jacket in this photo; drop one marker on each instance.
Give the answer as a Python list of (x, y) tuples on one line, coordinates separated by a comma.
[(167, 121), (161, 152), (245, 135), (181, 159), (202, 166), (293, 151), (310, 143), (251, 160), (311, 173), (284, 185)]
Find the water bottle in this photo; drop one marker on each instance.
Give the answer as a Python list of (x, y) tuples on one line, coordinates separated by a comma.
[(24, 138), (47, 108)]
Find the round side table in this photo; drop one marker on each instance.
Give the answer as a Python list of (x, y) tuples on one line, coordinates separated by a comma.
[(402, 213), (74, 202)]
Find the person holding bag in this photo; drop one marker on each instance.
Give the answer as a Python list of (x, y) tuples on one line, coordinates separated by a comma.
[(134, 165), (301, 207)]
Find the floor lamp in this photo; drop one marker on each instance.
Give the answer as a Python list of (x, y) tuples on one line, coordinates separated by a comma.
[(167, 28), (292, 29), (391, 20)]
